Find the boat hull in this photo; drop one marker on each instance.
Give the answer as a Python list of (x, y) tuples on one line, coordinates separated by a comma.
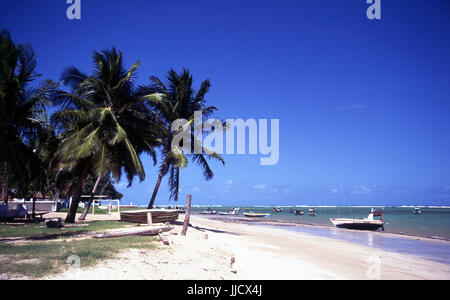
[(256, 215), (158, 216), (357, 224)]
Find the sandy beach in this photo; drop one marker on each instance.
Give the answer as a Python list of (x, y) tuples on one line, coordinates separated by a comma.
[(216, 250)]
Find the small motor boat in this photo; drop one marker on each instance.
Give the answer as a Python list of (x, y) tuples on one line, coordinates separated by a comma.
[(180, 210), (277, 209), (368, 223), (233, 212), (252, 214), (299, 212), (208, 211), (417, 211)]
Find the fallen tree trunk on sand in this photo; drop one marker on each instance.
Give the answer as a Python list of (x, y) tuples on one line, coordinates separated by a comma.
[(143, 230)]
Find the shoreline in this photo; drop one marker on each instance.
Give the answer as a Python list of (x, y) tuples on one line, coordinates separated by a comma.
[(214, 249), (269, 222), (428, 248)]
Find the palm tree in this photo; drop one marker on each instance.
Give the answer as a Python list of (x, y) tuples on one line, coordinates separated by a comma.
[(180, 102), (104, 124), (22, 112)]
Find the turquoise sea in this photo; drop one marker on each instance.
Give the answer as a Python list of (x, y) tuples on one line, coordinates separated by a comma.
[(434, 222), (402, 227)]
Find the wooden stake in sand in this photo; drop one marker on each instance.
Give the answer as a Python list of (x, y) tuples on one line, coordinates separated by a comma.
[(163, 239), (149, 219), (188, 215)]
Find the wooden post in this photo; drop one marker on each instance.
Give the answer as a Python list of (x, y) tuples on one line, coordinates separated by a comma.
[(163, 239), (34, 208), (149, 219), (188, 215)]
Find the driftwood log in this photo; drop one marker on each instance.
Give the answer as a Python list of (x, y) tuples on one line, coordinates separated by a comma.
[(143, 230)]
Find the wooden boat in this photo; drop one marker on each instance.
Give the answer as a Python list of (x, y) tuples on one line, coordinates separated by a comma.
[(252, 214), (368, 223), (158, 215)]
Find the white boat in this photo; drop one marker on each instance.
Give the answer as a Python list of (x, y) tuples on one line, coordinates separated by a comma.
[(233, 212), (208, 211), (368, 223), (417, 211)]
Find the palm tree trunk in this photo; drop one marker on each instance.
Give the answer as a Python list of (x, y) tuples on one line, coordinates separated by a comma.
[(89, 203), (4, 183), (158, 183), (70, 218)]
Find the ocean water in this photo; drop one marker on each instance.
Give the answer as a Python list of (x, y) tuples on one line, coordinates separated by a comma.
[(434, 222)]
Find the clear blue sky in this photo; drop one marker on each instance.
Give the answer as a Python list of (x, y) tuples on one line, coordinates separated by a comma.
[(363, 104)]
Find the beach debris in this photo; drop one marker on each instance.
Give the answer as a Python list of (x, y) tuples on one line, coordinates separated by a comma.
[(206, 236), (163, 239), (232, 261), (54, 223), (233, 271), (143, 230)]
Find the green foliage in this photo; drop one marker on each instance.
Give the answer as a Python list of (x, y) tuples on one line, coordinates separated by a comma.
[(180, 101), (38, 259), (103, 120), (36, 230), (35, 258), (23, 118)]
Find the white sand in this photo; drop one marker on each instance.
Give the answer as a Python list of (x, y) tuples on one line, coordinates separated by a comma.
[(258, 253)]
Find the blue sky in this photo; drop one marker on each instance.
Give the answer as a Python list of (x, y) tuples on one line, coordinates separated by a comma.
[(363, 104)]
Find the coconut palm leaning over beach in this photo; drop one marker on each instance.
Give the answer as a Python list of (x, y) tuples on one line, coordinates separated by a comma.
[(104, 123), (180, 102), (22, 116)]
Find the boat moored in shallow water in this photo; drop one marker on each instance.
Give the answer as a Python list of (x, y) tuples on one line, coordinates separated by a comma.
[(368, 223), (252, 214), (208, 211), (417, 211), (298, 212), (233, 212)]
